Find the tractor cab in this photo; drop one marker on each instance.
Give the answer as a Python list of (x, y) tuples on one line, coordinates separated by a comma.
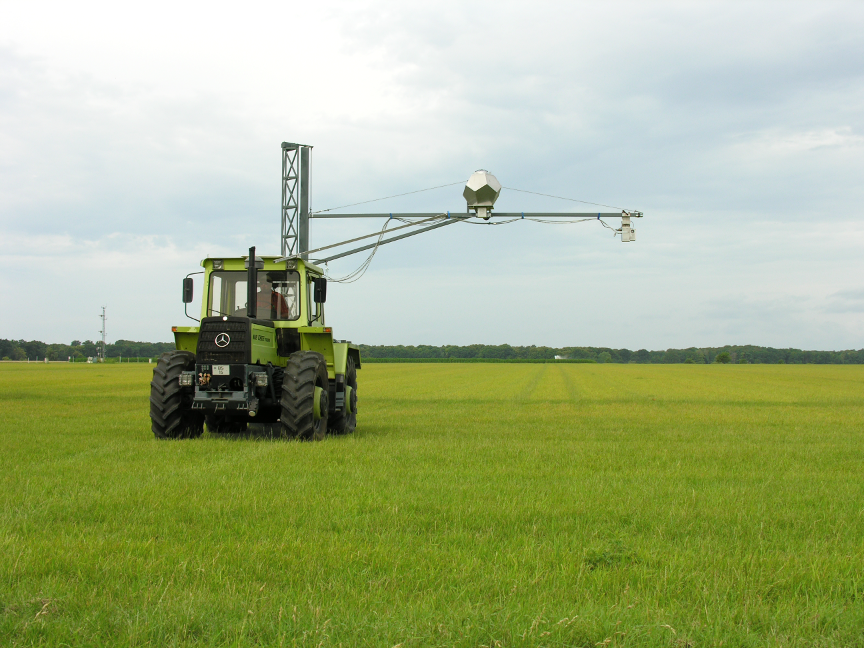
[(287, 296), (291, 290)]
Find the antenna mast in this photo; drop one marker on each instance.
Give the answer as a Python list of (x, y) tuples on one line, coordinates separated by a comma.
[(103, 318), (295, 199)]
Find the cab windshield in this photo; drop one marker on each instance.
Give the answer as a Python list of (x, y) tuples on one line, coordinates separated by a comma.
[(278, 294)]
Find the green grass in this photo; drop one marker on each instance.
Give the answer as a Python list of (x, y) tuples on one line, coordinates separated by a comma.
[(493, 505)]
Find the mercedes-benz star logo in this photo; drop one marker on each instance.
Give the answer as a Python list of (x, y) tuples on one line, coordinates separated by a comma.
[(222, 340)]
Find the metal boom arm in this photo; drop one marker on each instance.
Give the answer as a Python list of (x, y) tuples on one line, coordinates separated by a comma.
[(494, 215), (451, 218), (449, 221)]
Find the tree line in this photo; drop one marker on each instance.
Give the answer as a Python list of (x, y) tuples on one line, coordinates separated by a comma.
[(77, 350), (747, 354)]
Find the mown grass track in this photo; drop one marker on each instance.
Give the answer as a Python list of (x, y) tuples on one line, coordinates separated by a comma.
[(511, 505)]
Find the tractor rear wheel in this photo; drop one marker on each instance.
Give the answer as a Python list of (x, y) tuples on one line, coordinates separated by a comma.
[(305, 396), (170, 405), (344, 421)]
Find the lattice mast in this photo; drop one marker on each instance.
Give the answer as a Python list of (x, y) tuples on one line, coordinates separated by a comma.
[(295, 199)]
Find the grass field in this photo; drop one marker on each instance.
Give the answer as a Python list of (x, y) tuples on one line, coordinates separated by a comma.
[(477, 505)]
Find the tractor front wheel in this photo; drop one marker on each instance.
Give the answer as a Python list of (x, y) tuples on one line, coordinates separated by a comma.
[(171, 412), (305, 396)]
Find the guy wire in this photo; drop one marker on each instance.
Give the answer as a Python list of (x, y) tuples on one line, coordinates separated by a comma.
[(407, 193), (584, 202)]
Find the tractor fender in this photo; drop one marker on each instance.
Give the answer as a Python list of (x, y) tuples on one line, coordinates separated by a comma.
[(186, 338), (354, 352), (320, 340)]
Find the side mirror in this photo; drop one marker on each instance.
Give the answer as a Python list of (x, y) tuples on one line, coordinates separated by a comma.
[(320, 290), (187, 290)]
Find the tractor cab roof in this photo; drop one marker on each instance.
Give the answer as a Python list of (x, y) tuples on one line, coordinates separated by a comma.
[(271, 262)]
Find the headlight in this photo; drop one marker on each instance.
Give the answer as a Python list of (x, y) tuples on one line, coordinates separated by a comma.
[(260, 379), (187, 378)]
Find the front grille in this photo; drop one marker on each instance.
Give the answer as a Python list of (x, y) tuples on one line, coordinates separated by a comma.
[(235, 351)]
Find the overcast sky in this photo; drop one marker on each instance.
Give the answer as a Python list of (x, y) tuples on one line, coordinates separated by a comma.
[(136, 139)]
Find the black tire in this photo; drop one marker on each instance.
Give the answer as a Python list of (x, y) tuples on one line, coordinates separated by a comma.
[(306, 370), (340, 422), (171, 412)]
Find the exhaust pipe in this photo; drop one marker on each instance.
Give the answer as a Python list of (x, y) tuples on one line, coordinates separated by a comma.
[(252, 286)]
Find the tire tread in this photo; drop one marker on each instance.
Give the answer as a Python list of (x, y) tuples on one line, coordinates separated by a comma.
[(304, 370), (170, 419)]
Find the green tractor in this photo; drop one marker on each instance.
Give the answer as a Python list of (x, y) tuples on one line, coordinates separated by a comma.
[(261, 354)]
